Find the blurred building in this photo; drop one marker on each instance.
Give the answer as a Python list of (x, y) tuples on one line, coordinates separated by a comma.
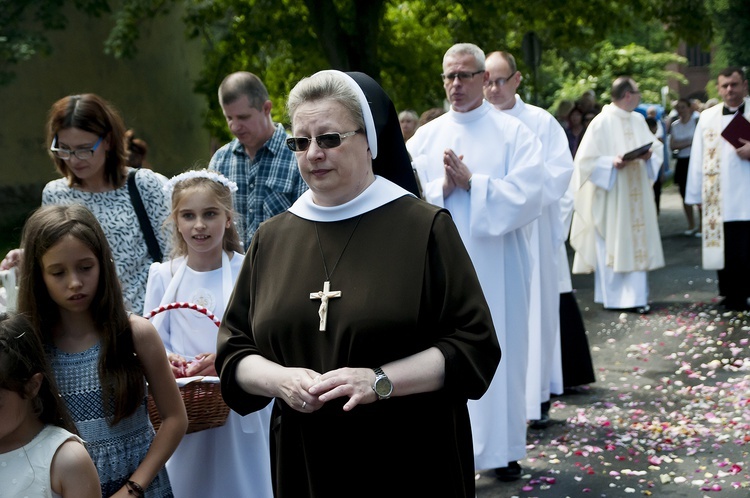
[(697, 72)]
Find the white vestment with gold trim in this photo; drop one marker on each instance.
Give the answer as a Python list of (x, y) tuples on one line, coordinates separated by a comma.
[(719, 180), (615, 230)]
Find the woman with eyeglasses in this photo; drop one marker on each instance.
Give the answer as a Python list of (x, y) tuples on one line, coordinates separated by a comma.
[(359, 312), (87, 144)]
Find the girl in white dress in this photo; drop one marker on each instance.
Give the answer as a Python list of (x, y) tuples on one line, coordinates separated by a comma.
[(232, 460), (41, 454)]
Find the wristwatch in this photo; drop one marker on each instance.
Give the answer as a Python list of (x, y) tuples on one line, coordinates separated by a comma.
[(382, 386)]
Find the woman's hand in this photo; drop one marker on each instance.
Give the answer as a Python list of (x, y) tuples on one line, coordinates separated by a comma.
[(294, 389), (203, 364), (355, 383)]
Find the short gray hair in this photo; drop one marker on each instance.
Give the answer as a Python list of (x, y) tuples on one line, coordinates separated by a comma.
[(467, 49), (326, 86)]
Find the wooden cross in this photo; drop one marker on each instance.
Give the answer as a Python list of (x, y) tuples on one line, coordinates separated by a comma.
[(324, 296)]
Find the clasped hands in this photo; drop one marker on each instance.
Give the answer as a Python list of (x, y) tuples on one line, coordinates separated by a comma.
[(306, 390), (457, 174), (202, 364)]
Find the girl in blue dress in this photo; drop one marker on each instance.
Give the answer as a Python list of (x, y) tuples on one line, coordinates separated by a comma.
[(102, 356)]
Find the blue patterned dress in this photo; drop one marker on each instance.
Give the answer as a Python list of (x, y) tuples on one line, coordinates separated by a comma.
[(116, 451)]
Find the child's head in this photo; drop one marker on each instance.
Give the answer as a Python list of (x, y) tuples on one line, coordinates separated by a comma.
[(26, 379), (47, 230), (203, 189)]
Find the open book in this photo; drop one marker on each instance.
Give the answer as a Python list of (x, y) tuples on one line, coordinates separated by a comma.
[(737, 128), (635, 153)]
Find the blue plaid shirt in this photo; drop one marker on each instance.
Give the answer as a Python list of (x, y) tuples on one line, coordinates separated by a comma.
[(267, 186)]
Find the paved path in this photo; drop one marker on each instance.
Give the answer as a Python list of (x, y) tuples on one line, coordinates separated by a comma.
[(669, 415)]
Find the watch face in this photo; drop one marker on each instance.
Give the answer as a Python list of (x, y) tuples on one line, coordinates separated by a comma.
[(383, 387)]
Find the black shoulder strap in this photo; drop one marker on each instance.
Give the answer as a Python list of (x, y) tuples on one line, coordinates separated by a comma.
[(140, 211)]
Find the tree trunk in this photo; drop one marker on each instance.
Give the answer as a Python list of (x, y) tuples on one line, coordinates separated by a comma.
[(349, 51)]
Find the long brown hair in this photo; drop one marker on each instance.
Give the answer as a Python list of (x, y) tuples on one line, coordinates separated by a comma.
[(120, 370), (22, 357), (91, 113)]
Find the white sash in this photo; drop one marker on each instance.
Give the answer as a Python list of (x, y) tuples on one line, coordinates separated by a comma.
[(227, 284)]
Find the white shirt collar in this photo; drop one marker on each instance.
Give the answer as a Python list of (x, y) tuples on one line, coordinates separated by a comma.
[(617, 111), (472, 115), (379, 193), (517, 108)]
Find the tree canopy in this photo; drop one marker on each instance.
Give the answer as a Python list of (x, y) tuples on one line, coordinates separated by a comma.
[(585, 43)]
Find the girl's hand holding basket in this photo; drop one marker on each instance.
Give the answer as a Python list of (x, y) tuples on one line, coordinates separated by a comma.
[(205, 407), (203, 364)]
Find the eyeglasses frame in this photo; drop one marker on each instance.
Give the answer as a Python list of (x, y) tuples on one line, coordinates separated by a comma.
[(495, 82), (447, 79), (293, 140), (75, 152)]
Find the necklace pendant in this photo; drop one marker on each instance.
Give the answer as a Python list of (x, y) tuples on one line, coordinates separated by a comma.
[(324, 296)]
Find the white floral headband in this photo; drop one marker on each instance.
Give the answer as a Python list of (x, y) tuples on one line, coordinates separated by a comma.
[(201, 173)]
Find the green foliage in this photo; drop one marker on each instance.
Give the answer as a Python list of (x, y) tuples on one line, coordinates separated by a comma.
[(400, 43), (415, 36), (128, 19), (23, 25), (606, 62), (585, 43), (732, 21), (245, 36)]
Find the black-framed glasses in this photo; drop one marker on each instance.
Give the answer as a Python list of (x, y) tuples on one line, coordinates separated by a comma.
[(462, 76), (325, 141), (82, 154), (500, 82)]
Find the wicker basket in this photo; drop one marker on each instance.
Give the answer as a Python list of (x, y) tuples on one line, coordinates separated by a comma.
[(204, 405), (202, 396)]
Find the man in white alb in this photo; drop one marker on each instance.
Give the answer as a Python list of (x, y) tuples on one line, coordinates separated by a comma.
[(546, 234), (615, 231), (719, 179), (484, 166)]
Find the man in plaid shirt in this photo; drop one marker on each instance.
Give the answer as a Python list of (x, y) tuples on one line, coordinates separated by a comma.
[(258, 159)]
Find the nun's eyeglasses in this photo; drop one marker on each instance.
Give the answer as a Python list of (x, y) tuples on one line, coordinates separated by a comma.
[(325, 141)]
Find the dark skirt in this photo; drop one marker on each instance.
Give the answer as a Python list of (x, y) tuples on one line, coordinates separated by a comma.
[(577, 366), (734, 279), (680, 174)]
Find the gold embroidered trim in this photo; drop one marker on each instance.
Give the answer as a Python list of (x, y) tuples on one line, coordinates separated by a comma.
[(713, 222)]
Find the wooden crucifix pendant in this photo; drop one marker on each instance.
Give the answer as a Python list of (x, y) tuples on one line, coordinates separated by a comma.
[(324, 296)]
